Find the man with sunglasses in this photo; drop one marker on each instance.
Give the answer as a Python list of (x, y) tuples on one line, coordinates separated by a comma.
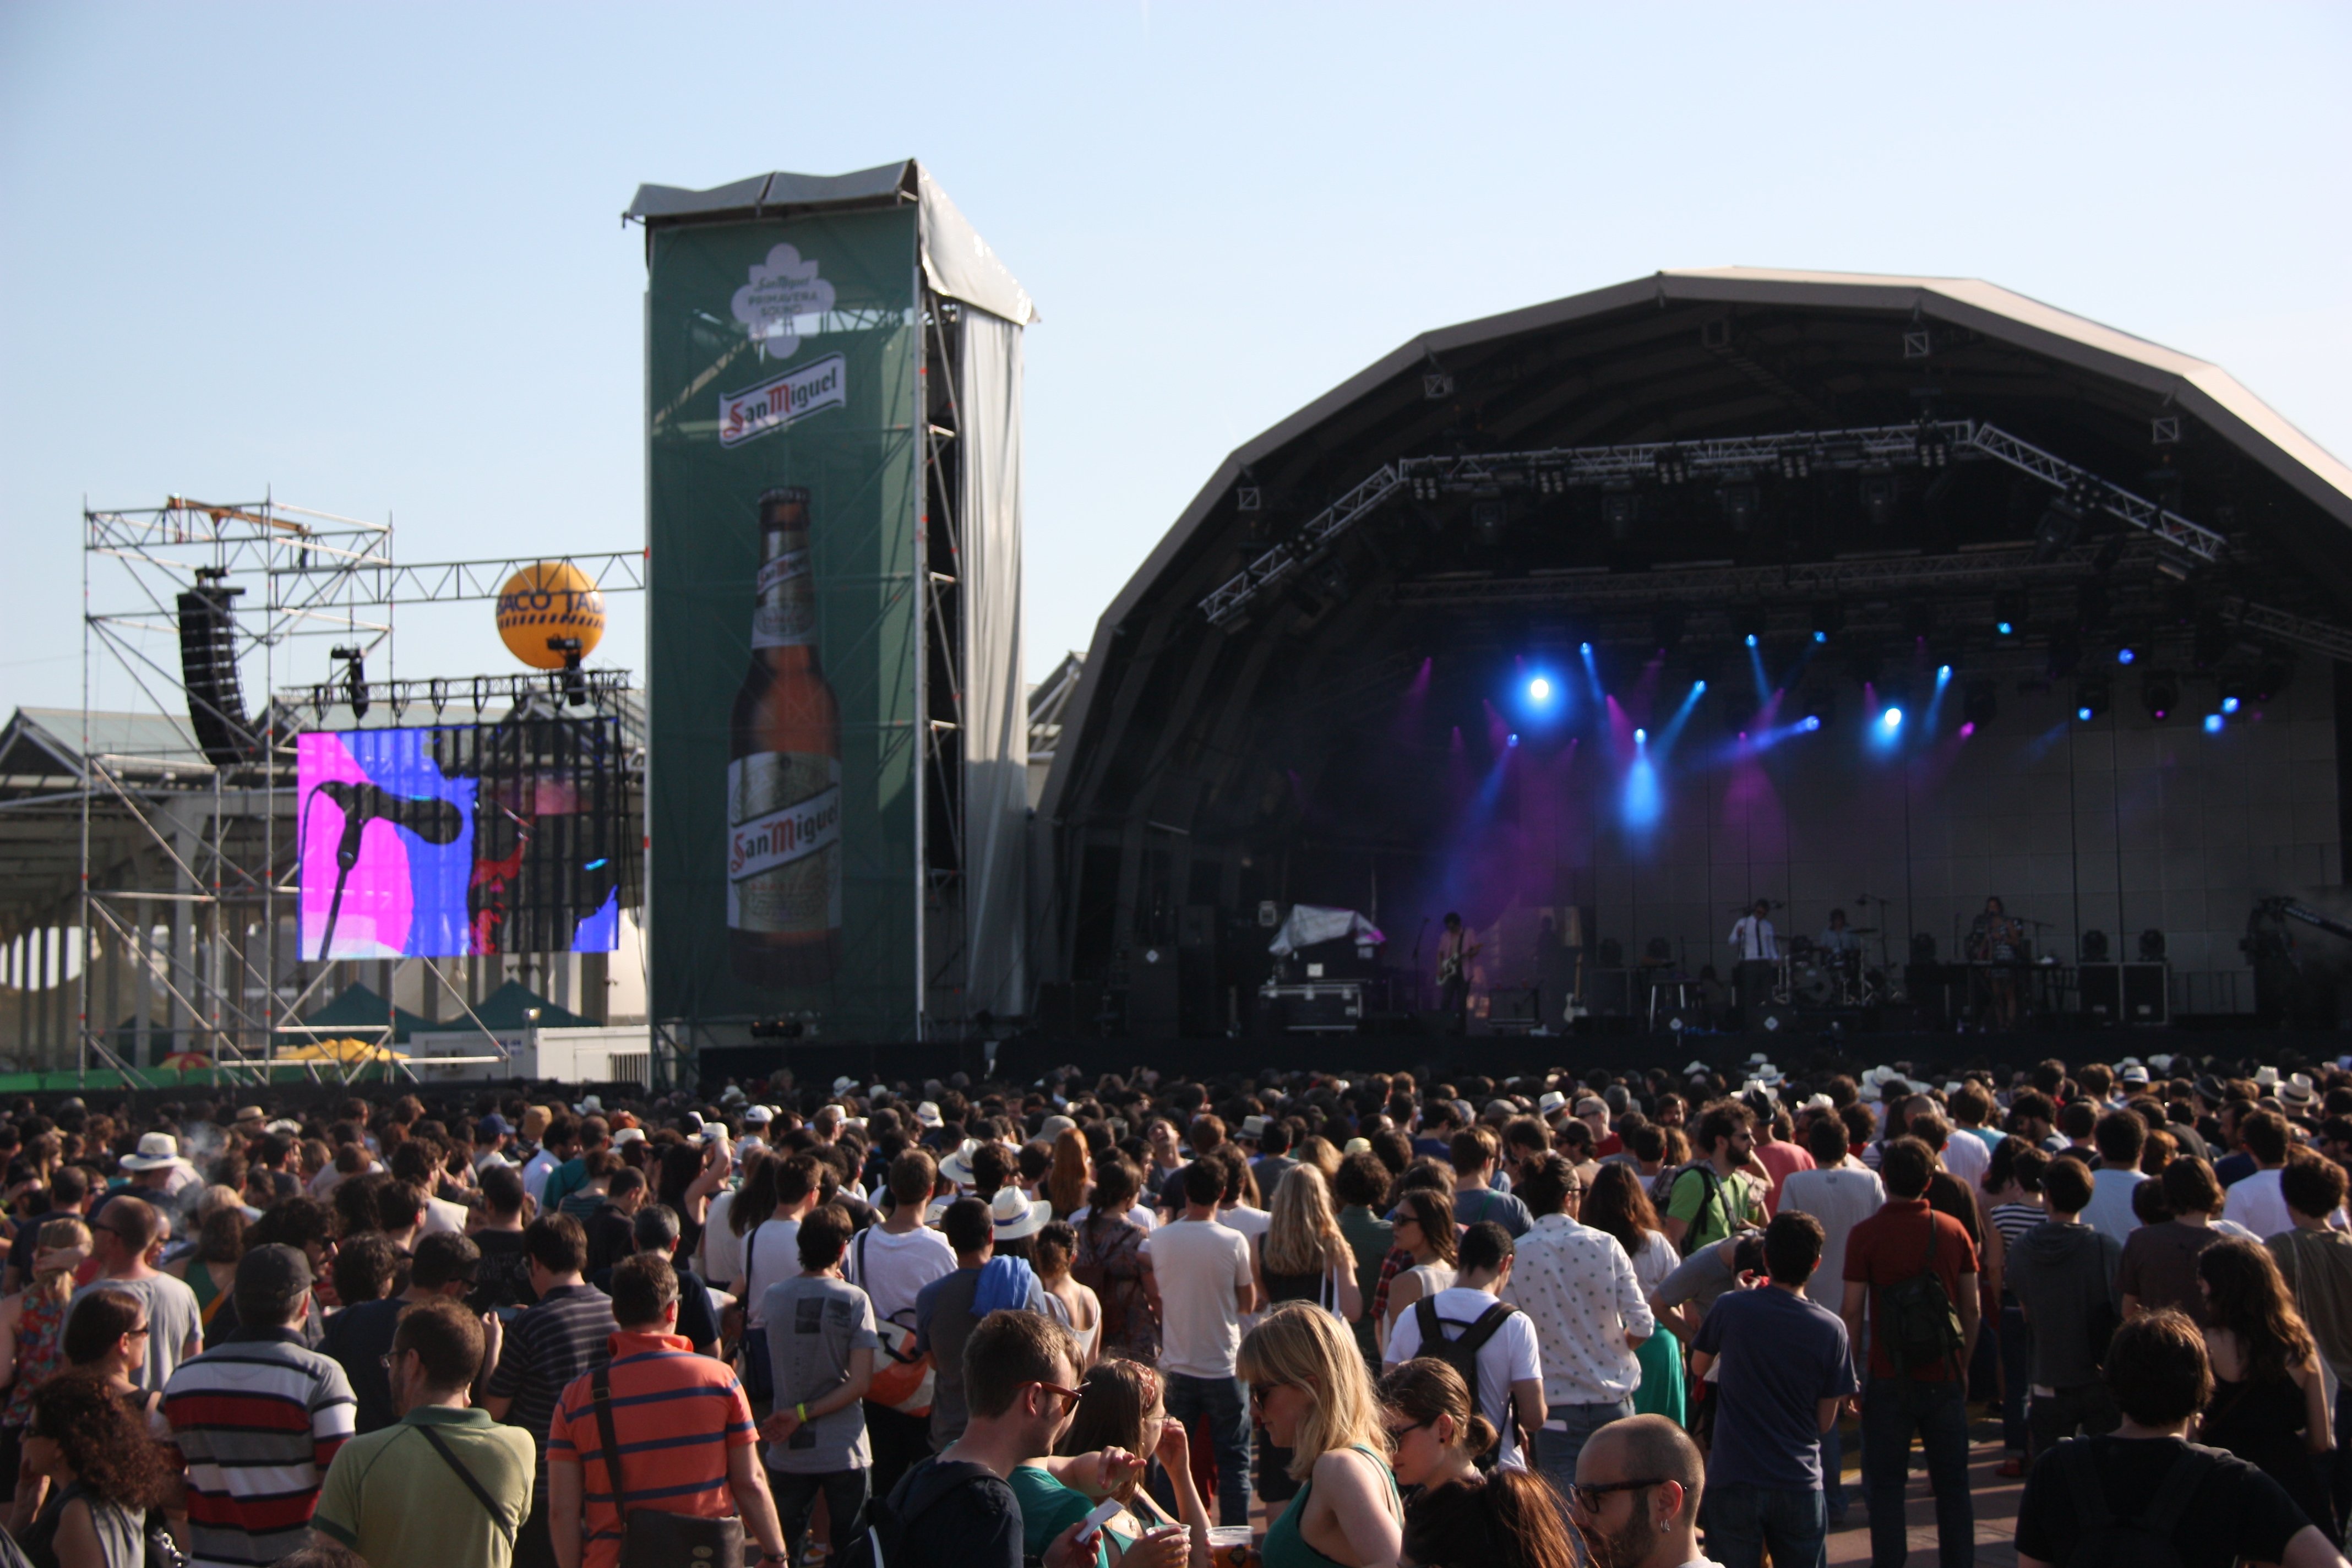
[(1637, 1495), (122, 1237)]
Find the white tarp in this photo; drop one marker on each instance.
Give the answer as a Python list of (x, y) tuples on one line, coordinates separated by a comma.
[(1311, 923), (995, 716)]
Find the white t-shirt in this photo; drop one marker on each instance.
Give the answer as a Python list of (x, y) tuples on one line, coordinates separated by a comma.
[(1202, 1271), (722, 1250), (1509, 1357), (893, 1268), (2255, 1203), (1137, 1216), (1250, 1221), (772, 1254), (1840, 1197), (440, 1214), (535, 1172), (1967, 1157)]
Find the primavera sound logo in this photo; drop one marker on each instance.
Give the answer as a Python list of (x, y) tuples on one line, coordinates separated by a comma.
[(783, 293)]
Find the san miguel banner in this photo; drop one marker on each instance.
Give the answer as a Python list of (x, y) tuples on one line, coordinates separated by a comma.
[(782, 393)]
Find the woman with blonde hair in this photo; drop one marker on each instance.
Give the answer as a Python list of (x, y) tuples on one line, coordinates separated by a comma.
[(1302, 1256), (32, 1343), (1318, 1152), (1071, 1179), (1315, 1398)]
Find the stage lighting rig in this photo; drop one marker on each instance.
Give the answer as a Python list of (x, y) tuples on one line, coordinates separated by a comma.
[(1621, 509), (2091, 700), (1828, 620), (2060, 526), (1748, 623), (2008, 613), (355, 685), (2159, 693)]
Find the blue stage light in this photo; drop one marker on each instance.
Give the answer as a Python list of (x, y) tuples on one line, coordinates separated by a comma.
[(1820, 637), (1943, 673), (2212, 724), (2084, 714), (1584, 647), (1892, 719), (1641, 737), (2126, 655), (1513, 740), (1539, 690), (2228, 705), (2005, 628), (1813, 722), (1697, 686), (1752, 639)]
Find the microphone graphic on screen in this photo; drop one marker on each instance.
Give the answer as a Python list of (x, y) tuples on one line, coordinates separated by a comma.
[(434, 820)]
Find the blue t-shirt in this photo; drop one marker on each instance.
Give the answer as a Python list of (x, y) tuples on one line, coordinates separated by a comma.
[(1780, 1356)]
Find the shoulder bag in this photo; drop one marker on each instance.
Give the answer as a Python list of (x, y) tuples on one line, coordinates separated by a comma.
[(649, 1538)]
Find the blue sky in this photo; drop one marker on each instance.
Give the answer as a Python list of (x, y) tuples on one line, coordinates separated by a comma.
[(369, 255)]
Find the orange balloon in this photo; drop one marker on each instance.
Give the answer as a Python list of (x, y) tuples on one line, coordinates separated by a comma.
[(550, 603)]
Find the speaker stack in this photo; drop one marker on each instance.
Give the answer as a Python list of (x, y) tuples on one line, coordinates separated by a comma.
[(208, 670)]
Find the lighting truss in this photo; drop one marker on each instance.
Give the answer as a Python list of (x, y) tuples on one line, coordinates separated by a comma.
[(1793, 455)]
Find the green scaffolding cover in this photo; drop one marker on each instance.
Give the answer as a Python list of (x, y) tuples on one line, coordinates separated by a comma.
[(782, 363)]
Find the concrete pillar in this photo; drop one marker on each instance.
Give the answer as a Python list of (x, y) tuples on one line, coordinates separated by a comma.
[(143, 983)]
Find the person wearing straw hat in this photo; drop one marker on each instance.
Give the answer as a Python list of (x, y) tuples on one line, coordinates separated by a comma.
[(157, 1170)]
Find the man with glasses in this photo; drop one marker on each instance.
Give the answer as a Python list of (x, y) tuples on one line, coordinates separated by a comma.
[(1637, 1495), (1578, 1288), (123, 1238), (399, 1497), (1721, 1191)]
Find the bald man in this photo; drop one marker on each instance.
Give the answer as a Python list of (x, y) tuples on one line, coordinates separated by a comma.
[(1636, 1494)]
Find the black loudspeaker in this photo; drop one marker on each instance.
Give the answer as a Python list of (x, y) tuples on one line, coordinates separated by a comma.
[(2100, 987), (1199, 1004), (2147, 998), (208, 670), (1151, 993), (1774, 1018), (1608, 993)]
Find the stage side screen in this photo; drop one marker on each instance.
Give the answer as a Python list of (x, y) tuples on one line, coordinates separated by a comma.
[(454, 840), (782, 407)]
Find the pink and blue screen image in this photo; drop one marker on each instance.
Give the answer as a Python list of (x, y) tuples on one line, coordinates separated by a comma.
[(399, 861)]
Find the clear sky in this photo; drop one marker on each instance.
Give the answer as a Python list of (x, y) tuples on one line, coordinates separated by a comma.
[(368, 256)]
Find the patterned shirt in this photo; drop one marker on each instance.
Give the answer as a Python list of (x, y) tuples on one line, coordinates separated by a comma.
[(676, 1414), (1577, 1286), (258, 1420), (569, 1332)]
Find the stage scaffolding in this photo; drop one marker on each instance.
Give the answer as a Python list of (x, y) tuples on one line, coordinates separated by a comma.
[(187, 895)]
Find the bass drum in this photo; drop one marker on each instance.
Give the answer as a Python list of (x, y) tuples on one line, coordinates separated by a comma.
[(1813, 984)]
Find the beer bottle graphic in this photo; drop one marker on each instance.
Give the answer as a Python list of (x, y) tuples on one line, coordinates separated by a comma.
[(783, 773)]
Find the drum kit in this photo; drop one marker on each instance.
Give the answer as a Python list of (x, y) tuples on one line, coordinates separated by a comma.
[(1811, 975)]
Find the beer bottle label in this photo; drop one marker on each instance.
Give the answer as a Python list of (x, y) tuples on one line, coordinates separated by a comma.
[(786, 613), (784, 843)]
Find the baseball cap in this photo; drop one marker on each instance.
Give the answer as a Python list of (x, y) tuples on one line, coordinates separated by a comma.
[(269, 1280), (492, 1126)]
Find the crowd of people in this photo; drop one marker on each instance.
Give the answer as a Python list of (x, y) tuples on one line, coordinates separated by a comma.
[(1636, 1320)]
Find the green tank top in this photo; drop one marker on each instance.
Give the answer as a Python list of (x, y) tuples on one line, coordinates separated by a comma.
[(1287, 1548)]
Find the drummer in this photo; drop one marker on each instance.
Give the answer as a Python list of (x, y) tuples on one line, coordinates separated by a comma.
[(1835, 940)]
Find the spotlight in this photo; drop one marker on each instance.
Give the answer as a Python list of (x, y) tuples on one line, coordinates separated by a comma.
[(2091, 700), (2059, 525), (1813, 722), (2159, 693), (1539, 690), (2232, 698), (1641, 737), (2127, 654), (1748, 623), (1981, 703), (1512, 741), (2212, 724), (2008, 613), (2094, 946), (2151, 946), (1892, 719), (1486, 521), (1585, 648), (1750, 639), (1828, 620), (355, 687)]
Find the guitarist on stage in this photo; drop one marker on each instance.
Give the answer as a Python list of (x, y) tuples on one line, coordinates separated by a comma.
[(1453, 967)]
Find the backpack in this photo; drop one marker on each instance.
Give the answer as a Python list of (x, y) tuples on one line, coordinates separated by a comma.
[(1462, 1355), (1922, 1325), (1710, 1196), (883, 1543), (2147, 1539), (904, 1377)]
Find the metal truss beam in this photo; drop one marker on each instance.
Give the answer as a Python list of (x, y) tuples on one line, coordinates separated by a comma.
[(1793, 455), (449, 582)]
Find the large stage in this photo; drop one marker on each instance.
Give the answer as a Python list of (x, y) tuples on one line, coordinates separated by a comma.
[(1600, 622)]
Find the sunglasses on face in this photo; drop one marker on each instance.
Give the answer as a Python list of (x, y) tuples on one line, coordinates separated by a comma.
[(1070, 1396), (1591, 1498)]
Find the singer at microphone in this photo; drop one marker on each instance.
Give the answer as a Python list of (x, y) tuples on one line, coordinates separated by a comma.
[(1758, 947)]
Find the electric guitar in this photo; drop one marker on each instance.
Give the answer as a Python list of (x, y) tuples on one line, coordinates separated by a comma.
[(1451, 967)]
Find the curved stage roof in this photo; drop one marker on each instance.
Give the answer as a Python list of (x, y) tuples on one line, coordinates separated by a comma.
[(1471, 491)]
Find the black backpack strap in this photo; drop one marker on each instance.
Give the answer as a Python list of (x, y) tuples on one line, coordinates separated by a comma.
[(1433, 1332), (507, 1527), (1490, 1321), (600, 1394), (2179, 1490), (2091, 1511)]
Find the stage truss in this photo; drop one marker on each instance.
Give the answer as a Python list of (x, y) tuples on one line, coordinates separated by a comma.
[(211, 841)]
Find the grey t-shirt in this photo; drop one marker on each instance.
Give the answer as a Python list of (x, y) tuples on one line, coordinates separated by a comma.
[(814, 1324), (1698, 1278), (173, 1320)]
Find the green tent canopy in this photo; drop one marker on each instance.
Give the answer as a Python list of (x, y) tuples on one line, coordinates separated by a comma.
[(359, 1008), (502, 1012)]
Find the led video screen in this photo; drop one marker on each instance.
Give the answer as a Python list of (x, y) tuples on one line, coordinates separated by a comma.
[(457, 840)]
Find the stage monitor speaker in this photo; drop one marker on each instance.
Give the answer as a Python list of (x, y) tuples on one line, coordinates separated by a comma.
[(1776, 1018), (1608, 993), (1152, 993), (1680, 1020), (2147, 998), (2099, 990), (208, 670)]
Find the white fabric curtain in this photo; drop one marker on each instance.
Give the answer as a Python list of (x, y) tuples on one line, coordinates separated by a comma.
[(996, 709)]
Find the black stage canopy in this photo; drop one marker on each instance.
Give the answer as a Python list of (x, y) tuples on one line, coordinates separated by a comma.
[(1600, 620)]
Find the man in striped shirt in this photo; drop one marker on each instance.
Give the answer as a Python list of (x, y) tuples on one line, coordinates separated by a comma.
[(258, 1419), (566, 1334), (682, 1423)]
